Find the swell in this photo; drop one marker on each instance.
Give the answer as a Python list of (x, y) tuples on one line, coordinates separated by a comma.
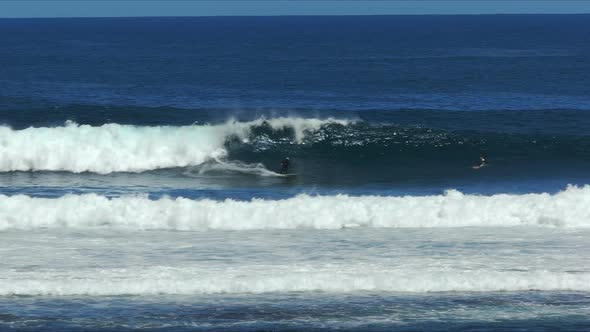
[(318, 146), (404, 142), (549, 121), (568, 208), (363, 152)]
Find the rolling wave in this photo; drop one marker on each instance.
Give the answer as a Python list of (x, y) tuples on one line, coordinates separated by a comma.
[(339, 146), (124, 148), (568, 208)]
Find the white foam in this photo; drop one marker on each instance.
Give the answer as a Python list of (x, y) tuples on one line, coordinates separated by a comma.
[(124, 148), (281, 278), (237, 167), (569, 208)]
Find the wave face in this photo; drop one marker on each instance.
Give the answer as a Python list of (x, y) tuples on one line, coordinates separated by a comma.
[(323, 148), (568, 208), (124, 148)]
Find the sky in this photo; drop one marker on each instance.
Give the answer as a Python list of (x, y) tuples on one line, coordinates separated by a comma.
[(118, 8)]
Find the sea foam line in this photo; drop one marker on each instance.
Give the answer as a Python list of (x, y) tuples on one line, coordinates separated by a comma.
[(278, 279), (126, 148), (569, 208)]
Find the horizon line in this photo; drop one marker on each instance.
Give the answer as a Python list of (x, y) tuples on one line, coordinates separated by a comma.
[(295, 15)]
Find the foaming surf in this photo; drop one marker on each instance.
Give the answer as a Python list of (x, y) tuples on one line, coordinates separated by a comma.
[(281, 279), (568, 208), (223, 167), (125, 148)]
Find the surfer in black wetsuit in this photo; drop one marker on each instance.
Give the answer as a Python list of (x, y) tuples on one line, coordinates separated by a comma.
[(285, 163), (482, 163)]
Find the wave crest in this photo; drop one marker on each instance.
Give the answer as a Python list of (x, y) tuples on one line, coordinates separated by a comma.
[(568, 208), (125, 148)]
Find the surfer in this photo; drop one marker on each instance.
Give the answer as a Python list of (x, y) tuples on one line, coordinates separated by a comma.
[(482, 163), (285, 164)]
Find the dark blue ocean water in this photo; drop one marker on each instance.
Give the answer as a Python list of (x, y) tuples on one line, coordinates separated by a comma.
[(512, 88), (205, 109)]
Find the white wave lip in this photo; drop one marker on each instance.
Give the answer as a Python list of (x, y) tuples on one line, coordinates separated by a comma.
[(280, 279), (568, 208), (126, 148)]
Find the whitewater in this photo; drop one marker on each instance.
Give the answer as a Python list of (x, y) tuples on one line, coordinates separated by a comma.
[(283, 279), (140, 186), (568, 208), (127, 148)]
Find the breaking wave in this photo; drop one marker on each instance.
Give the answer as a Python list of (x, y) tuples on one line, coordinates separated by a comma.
[(568, 208), (125, 148), (322, 149)]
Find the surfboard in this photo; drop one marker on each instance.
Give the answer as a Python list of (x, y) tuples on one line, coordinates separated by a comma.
[(290, 174)]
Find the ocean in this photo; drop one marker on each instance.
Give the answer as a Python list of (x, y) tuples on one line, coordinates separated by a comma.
[(140, 185)]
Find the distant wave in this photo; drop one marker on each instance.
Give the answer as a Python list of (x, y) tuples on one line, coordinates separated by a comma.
[(568, 208), (125, 148), (333, 278)]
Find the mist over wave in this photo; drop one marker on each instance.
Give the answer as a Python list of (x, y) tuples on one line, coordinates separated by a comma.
[(568, 208), (125, 148)]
